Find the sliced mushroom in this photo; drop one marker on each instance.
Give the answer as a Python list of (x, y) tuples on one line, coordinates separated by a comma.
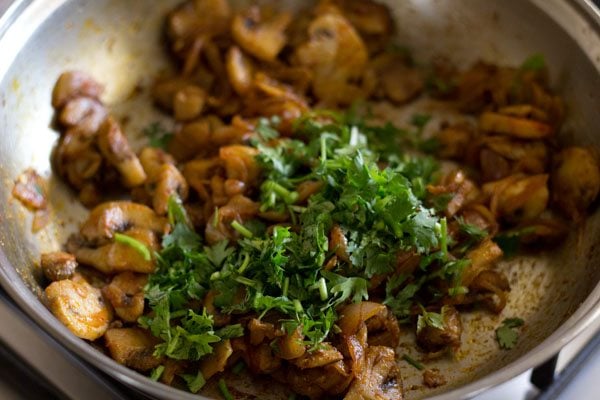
[(74, 84), (85, 113), (240, 163), (189, 102), (152, 160), (132, 347), (518, 198), (238, 208), (262, 38), (482, 257), (79, 306), (117, 216), (126, 294), (217, 360), (119, 257), (239, 70), (115, 147), (291, 346), (338, 58), (324, 355), (58, 265), (434, 339), (522, 128), (399, 82), (380, 378), (575, 180), (169, 182)]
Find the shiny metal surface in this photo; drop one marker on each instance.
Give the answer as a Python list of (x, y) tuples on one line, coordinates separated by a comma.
[(118, 42)]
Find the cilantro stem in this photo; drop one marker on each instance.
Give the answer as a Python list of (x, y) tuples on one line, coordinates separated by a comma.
[(298, 306), (413, 362), (224, 390), (248, 282), (444, 236), (289, 197), (157, 372), (322, 285), (245, 263), (323, 148), (242, 230), (215, 220), (238, 368), (286, 284), (135, 244)]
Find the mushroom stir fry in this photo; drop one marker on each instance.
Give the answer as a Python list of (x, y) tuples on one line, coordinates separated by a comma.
[(280, 228)]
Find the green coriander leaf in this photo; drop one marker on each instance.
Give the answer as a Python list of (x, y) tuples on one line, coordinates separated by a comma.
[(506, 335), (157, 135), (413, 362), (224, 390), (473, 231), (535, 62), (194, 382), (230, 331), (432, 319), (420, 120)]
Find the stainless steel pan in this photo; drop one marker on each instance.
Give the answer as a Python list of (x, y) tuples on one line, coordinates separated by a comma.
[(556, 292)]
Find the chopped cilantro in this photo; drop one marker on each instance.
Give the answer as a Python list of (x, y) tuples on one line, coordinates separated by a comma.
[(506, 334), (413, 362), (157, 372), (135, 244), (194, 382), (432, 319), (535, 62), (157, 135), (224, 390)]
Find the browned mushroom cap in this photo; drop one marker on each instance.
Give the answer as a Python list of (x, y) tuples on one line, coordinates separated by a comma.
[(239, 70), (368, 17), (115, 147), (262, 38), (119, 257), (398, 81), (337, 56), (58, 265), (324, 355), (117, 216), (575, 180), (126, 294), (217, 360), (133, 347), (208, 17), (379, 379), (85, 113), (482, 257), (74, 84), (169, 182), (79, 306), (153, 159), (518, 198), (523, 128), (434, 339)]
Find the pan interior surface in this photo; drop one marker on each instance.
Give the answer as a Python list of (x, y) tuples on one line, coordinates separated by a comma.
[(119, 43)]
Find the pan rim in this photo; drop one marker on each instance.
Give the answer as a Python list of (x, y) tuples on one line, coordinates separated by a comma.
[(587, 315)]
